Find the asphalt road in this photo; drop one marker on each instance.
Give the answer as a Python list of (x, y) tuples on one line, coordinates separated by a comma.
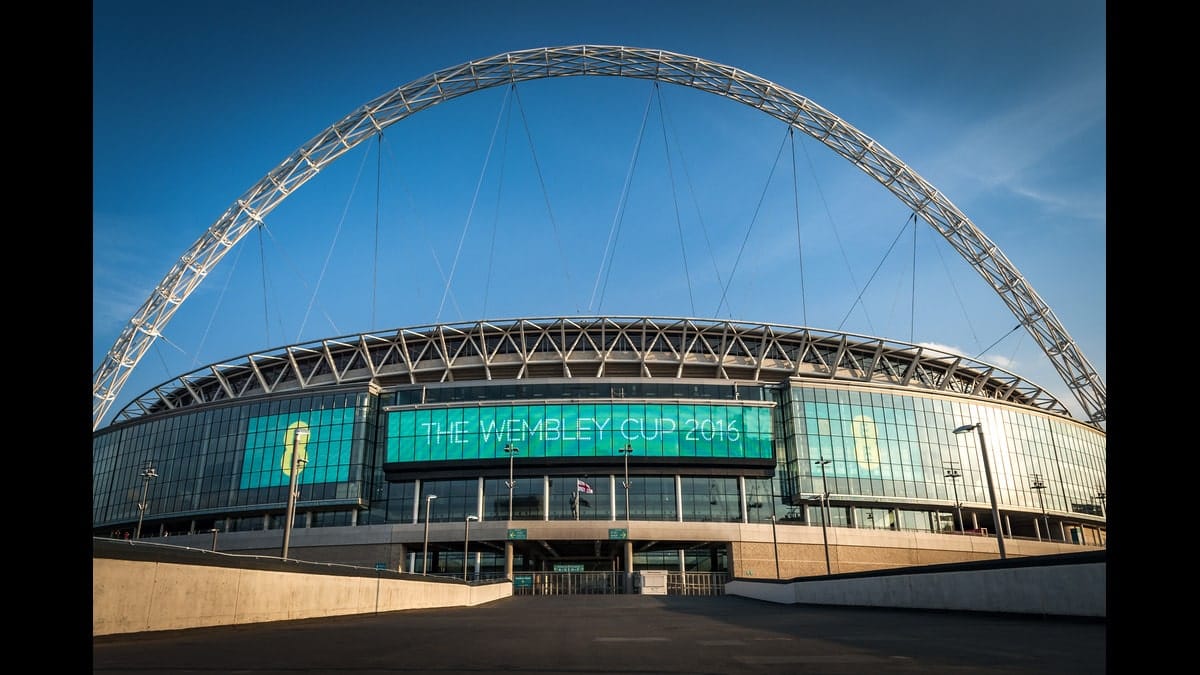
[(581, 635)]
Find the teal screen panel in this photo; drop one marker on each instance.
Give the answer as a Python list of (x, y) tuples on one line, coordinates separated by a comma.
[(320, 438), (587, 430)]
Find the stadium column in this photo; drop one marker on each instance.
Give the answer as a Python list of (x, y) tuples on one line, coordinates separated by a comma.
[(742, 497), (508, 560), (612, 497), (628, 566)]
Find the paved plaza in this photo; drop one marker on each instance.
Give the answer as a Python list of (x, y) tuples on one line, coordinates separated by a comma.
[(581, 635)]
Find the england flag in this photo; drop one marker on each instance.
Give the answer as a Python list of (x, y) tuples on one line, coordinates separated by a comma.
[(583, 487)]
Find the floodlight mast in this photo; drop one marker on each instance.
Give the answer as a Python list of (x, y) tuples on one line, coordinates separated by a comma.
[(987, 472)]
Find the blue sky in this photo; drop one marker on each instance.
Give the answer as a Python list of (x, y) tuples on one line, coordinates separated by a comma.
[(516, 195)]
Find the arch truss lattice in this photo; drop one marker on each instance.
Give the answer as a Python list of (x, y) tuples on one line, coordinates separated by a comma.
[(615, 61)]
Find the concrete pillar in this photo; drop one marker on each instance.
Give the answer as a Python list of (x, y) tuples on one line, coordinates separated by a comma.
[(508, 560), (416, 514), (678, 498), (612, 497), (628, 566), (742, 498)]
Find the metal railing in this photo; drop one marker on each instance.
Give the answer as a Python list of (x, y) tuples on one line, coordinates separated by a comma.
[(696, 583), (613, 583), (568, 583)]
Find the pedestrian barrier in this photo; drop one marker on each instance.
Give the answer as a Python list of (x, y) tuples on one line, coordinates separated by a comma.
[(613, 583)]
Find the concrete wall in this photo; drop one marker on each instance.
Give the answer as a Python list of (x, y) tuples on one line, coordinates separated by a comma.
[(1053, 589), (130, 596), (801, 548)]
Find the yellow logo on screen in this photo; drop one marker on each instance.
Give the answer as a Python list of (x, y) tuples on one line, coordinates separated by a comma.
[(295, 440), (866, 442)]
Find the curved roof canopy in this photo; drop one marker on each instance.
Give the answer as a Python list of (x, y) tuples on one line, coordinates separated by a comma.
[(589, 347)]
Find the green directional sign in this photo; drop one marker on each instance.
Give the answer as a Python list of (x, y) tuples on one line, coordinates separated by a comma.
[(516, 534), (619, 533), (560, 567), (523, 581)]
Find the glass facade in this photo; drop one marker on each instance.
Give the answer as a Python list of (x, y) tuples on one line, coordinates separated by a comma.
[(892, 458), (231, 460), (903, 446)]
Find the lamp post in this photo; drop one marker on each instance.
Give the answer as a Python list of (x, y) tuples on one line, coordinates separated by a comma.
[(775, 543), (510, 450), (1039, 485), (1101, 495), (627, 450), (953, 473), (148, 474), (987, 473), (824, 500), (425, 553), (299, 434), (466, 541)]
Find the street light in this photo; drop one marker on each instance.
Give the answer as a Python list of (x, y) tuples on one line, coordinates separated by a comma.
[(466, 541), (510, 450), (425, 554), (1039, 485), (627, 450), (299, 436), (148, 473), (775, 543), (987, 473), (824, 500), (1101, 495), (953, 473)]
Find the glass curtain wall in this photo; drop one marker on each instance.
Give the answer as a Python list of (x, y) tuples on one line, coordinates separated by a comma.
[(892, 445)]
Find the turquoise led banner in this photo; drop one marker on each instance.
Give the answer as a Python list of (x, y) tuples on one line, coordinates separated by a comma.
[(587, 430), (319, 438)]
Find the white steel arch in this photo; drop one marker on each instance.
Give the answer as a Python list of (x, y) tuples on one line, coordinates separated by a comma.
[(615, 61)]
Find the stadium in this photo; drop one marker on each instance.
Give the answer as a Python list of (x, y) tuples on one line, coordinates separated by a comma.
[(570, 446)]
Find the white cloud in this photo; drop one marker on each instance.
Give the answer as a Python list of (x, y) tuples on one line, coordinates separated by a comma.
[(1001, 152)]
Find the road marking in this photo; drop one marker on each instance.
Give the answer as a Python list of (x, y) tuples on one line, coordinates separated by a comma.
[(630, 639)]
